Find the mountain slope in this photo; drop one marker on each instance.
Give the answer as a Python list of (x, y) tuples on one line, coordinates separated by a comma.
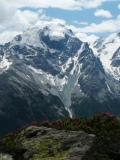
[(108, 52), (50, 74)]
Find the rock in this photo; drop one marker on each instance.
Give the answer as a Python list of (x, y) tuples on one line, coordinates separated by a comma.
[(58, 144), (5, 157), (42, 143)]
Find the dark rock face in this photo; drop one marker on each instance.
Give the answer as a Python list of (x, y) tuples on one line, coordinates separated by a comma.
[(68, 44), (116, 58), (92, 78), (23, 103), (89, 106)]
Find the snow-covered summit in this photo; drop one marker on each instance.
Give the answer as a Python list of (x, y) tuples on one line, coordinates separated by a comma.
[(107, 49), (33, 36), (58, 63), (57, 32)]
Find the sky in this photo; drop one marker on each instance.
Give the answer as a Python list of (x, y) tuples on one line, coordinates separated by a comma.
[(89, 19)]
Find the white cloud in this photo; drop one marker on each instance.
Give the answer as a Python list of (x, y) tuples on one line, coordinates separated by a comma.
[(7, 36), (87, 38), (84, 23), (9, 8), (63, 4), (90, 38), (6, 11), (103, 13), (14, 21), (22, 20), (112, 25), (80, 23), (119, 6)]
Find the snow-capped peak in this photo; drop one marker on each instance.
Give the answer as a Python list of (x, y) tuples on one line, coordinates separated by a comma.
[(106, 49), (32, 36), (57, 32), (59, 63)]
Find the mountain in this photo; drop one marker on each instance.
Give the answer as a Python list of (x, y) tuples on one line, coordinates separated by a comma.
[(109, 54), (48, 73)]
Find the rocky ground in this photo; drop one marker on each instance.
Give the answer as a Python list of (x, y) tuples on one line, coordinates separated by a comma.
[(95, 138), (41, 143)]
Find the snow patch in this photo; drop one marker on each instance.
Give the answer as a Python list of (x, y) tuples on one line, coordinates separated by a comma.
[(4, 64), (105, 50), (57, 32), (61, 87)]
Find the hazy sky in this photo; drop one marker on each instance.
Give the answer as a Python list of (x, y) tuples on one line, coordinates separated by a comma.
[(87, 18)]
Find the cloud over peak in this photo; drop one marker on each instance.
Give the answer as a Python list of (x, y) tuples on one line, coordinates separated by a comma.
[(17, 16), (103, 13), (62, 4)]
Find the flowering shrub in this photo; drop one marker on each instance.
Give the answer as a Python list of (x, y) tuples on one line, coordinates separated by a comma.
[(105, 126)]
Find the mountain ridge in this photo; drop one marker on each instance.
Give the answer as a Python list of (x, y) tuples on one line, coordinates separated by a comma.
[(44, 63)]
